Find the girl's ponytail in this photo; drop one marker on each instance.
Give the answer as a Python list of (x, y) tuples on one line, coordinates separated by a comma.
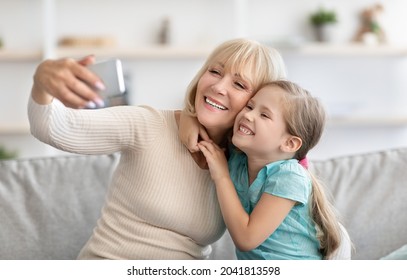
[(325, 217)]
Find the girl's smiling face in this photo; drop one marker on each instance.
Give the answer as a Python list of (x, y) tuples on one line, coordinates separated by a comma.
[(260, 129)]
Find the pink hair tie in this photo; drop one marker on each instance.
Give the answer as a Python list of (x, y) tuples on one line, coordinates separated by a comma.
[(304, 162)]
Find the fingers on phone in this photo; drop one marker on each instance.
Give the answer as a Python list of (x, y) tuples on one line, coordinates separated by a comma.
[(87, 60), (86, 84), (80, 95)]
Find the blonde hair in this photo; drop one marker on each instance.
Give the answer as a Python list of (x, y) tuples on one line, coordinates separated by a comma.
[(252, 60), (305, 118)]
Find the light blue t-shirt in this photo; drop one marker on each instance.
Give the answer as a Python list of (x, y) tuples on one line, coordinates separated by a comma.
[(295, 238)]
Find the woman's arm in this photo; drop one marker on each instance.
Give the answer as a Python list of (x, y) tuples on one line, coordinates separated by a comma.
[(101, 131), (247, 231), (67, 80), (190, 131)]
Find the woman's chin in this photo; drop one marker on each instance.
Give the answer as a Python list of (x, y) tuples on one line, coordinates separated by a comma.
[(207, 121)]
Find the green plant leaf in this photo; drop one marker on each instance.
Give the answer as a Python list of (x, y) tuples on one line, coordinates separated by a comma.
[(322, 16), (5, 154)]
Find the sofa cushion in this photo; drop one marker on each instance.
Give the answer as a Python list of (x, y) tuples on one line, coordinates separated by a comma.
[(370, 193), (49, 206)]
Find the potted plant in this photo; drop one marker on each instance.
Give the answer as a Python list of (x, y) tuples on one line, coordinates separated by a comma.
[(322, 20), (6, 154)]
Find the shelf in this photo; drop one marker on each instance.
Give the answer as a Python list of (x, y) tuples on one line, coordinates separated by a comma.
[(13, 129), (164, 52), (366, 121), (350, 49), (199, 52), (20, 55), (148, 52), (352, 121)]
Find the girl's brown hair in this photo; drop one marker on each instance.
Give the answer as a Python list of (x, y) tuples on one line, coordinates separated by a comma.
[(305, 118), (252, 60)]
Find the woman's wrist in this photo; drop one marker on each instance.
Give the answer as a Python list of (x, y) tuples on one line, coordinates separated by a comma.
[(40, 96)]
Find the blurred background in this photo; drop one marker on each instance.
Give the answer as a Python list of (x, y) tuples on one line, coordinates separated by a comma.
[(352, 54)]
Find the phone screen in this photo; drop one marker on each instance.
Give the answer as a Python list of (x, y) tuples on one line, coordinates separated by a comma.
[(111, 73)]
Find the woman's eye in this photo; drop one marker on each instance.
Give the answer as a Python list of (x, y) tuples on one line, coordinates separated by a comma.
[(214, 71), (240, 85)]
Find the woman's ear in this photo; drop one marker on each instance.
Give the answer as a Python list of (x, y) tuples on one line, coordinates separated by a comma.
[(292, 144)]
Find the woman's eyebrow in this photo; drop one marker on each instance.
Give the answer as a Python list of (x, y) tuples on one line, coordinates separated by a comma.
[(217, 63)]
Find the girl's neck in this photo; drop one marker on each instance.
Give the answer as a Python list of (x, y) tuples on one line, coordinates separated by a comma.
[(221, 138), (253, 168), (255, 164)]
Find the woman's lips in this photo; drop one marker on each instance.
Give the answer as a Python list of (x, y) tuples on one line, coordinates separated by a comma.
[(215, 104)]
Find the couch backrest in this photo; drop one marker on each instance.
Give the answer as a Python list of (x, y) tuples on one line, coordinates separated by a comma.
[(49, 206), (370, 193)]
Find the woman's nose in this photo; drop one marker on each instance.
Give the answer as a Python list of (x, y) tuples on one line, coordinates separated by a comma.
[(222, 86)]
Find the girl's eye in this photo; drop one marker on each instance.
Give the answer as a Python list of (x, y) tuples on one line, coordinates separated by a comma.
[(249, 107), (265, 116)]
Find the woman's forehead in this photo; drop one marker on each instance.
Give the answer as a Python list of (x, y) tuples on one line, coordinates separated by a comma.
[(244, 69)]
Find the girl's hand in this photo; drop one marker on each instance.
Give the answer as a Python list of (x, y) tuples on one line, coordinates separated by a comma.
[(190, 131), (69, 81), (216, 159)]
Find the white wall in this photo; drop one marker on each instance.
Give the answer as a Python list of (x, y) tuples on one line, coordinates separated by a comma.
[(365, 86), (134, 22)]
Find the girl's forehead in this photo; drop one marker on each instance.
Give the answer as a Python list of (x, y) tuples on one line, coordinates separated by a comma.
[(270, 94), (272, 89)]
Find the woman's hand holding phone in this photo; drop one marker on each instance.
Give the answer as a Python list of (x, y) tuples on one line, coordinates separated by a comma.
[(67, 80)]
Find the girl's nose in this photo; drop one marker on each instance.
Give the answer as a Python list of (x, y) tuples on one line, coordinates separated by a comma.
[(248, 115)]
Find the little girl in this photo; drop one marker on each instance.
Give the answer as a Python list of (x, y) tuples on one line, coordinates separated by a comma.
[(273, 207)]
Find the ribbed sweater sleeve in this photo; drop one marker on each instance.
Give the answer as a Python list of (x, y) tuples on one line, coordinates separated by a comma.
[(99, 131)]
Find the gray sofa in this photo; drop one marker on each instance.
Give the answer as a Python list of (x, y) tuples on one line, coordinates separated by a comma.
[(49, 206)]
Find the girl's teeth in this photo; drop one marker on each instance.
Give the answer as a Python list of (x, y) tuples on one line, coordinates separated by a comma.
[(245, 130)]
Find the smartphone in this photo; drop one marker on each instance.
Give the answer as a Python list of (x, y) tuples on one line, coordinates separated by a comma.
[(111, 73)]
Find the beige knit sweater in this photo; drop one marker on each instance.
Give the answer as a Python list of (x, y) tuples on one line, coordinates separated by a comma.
[(160, 204)]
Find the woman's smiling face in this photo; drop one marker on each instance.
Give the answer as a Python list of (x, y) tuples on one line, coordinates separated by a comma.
[(220, 96)]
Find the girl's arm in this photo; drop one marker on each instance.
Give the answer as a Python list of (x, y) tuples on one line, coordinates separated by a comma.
[(190, 131), (247, 231)]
